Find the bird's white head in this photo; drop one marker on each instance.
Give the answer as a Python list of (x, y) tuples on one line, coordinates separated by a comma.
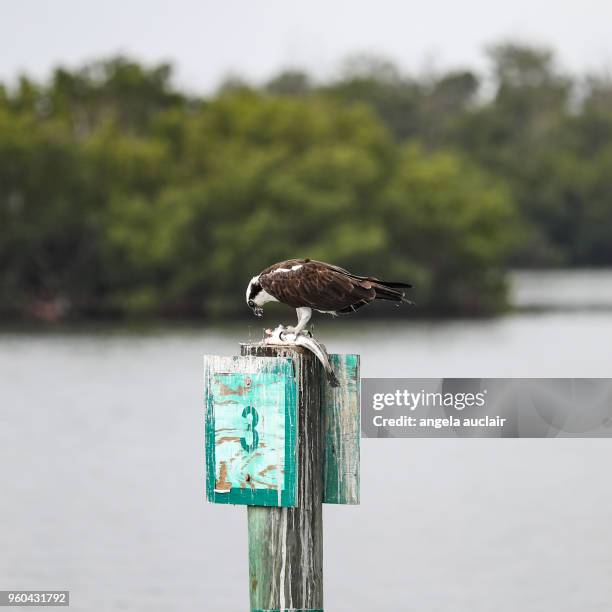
[(257, 296)]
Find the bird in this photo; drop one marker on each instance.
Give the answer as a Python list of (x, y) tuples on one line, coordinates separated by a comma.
[(308, 284)]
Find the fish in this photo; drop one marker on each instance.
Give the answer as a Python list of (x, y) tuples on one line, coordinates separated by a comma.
[(281, 336)]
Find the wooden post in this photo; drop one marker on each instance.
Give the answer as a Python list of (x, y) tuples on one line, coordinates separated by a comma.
[(286, 544), (282, 441)]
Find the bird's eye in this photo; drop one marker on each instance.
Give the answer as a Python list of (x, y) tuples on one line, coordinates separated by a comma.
[(251, 304)]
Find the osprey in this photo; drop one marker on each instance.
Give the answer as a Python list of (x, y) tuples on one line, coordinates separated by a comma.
[(307, 285)]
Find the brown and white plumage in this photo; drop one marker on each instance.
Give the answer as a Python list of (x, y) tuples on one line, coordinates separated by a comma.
[(308, 285)]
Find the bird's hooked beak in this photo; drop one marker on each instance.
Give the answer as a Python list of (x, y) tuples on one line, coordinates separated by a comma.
[(257, 310)]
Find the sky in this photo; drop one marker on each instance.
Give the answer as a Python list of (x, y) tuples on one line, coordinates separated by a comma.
[(207, 41)]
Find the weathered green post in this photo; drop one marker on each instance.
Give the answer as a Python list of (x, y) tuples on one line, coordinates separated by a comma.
[(286, 544), (282, 441)]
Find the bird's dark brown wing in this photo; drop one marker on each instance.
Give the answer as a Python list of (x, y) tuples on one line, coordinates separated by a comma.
[(283, 265), (314, 284)]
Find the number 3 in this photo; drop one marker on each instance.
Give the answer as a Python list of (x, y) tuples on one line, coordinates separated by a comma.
[(249, 410)]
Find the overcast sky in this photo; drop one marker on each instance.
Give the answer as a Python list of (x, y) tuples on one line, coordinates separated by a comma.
[(206, 40)]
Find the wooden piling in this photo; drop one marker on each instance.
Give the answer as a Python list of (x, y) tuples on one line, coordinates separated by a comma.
[(286, 544)]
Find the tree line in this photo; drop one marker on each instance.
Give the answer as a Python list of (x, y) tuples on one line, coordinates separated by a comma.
[(122, 195)]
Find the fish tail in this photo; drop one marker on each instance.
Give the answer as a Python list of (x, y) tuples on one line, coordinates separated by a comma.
[(332, 379)]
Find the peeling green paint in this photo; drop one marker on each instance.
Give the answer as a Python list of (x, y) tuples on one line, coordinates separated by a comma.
[(340, 409), (251, 430)]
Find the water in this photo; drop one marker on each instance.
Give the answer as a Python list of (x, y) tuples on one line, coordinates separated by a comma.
[(101, 474), (564, 289)]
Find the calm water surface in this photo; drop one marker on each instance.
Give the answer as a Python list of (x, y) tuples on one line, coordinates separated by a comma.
[(101, 473)]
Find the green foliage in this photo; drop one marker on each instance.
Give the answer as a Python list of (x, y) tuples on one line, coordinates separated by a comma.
[(455, 224), (119, 194)]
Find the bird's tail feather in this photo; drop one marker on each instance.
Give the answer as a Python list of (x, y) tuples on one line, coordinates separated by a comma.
[(395, 285), (390, 284), (389, 291)]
